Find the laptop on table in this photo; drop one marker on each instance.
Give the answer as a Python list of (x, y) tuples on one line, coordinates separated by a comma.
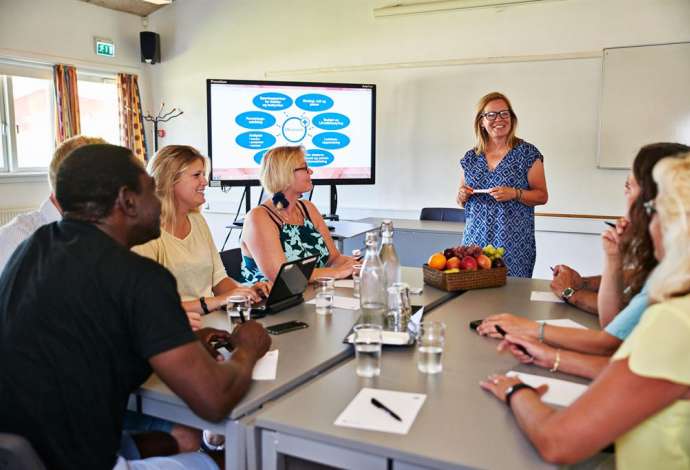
[(288, 288)]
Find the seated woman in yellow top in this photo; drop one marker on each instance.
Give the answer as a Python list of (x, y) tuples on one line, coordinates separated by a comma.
[(185, 246), (641, 400), (287, 227)]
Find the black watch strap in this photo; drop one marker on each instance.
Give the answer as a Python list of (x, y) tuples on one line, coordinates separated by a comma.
[(511, 391), (204, 307)]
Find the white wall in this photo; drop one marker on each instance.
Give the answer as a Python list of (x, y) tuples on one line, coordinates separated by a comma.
[(258, 39), (62, 31)]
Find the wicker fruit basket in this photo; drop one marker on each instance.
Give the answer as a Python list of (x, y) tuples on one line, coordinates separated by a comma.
[(465, 280)]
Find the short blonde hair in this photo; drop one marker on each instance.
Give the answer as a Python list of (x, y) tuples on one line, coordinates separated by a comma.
[(481, 134), (671, 278), (65, 149), (166, 168), (278, 168)]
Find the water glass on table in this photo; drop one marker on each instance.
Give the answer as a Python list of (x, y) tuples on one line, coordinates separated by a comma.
[(239, 309), (325, 291), (431, 339), (368, 349), (399, 307), (356, 278)]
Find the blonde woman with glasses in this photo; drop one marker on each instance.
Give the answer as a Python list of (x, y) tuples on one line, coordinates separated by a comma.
[(185, 246), (641, 400)]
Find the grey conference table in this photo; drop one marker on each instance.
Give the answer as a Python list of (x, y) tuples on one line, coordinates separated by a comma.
[(303, 355), (459, 425)]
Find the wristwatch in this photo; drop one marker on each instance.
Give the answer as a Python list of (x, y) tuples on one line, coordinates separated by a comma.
[(518, 386), (567, 293)]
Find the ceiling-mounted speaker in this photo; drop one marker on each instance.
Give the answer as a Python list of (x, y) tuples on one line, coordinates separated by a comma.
[(150, 43)]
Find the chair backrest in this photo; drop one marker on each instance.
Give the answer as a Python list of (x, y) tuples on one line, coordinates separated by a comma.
[(444, 214), (16, 453), (232, 260)]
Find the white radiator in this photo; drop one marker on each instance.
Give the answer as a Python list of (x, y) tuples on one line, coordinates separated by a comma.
[(11, 212)]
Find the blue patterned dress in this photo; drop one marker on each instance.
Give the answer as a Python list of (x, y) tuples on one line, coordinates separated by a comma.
[(298, 241), (507, 224)]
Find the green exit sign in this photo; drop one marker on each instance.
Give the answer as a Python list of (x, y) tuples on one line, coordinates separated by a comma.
[(105, 48)]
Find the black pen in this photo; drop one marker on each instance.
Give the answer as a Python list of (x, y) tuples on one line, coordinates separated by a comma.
[(378, 404), (503, 332), (610, 224), (239, 310)]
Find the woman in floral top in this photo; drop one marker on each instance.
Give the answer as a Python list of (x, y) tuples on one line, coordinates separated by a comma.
[(287, 228)]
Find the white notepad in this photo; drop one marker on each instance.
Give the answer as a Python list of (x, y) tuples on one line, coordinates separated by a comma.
[(560, 393), (564, 322), (266, 368), (544, 296), (349, 283), (362, 414), (348, 303)]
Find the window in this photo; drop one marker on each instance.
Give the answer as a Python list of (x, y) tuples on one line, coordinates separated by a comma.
[(33, 123), (98, 108)]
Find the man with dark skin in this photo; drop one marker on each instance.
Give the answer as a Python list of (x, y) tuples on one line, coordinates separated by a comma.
[(89, 318)]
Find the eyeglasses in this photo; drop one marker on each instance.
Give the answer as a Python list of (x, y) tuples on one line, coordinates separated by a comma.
[(302, 168), (492, 115), (650, 207)]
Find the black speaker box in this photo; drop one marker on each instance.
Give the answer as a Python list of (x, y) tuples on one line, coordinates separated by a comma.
[(150, 47)]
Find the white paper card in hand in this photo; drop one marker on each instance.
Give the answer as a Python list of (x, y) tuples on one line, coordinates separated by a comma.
[(561, 392), (541, 296), (349, 283), (362, 414), (266, 367), (348, 303), (481, 191), (564, 322)]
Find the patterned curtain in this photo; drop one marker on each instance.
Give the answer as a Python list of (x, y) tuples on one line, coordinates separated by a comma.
[(132, 133), (67, 122)]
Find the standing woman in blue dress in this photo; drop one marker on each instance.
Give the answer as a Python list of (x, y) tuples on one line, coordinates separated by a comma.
[(512, 171)]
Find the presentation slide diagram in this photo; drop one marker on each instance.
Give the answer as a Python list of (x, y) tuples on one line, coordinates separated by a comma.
[(332, 124)]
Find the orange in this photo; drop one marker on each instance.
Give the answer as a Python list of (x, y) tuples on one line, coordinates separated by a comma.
[(437, 261)]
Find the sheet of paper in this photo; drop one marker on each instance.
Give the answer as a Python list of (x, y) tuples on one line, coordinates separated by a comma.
[(348, 303), (362, 414), (395, 338), (542, 296), (266, 367), (560, 393), (349, 283), (481, 191), (415, 320), (565, 322)]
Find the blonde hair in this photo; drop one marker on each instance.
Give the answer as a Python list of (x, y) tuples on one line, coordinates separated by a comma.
[(64, 149), (671, 278), (166, 168), (277, 167), (481, 134)]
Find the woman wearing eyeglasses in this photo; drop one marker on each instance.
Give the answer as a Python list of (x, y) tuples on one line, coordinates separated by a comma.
[(286, 228), (510, 173), (642, 399)]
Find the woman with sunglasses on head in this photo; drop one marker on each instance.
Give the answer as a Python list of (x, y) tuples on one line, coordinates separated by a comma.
[(512, 171), (185, 246), (286, 228), (641, 400), (629, 258)]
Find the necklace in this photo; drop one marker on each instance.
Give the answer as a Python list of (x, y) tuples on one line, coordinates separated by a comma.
[(286, 215)]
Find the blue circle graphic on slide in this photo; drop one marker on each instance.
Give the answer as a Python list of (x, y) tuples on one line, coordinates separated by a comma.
[(272, 101), (295, 129), (318, 157), (331, 140), (255, 140), (331, 121), (255, 120), (259, 156), (314, 102)]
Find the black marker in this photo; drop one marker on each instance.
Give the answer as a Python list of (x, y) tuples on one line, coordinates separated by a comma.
[(610, 224), (503, 332), (378, 404)]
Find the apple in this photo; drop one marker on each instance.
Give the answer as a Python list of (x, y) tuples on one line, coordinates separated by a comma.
[(453, 263), (468, 263), (484, 262)]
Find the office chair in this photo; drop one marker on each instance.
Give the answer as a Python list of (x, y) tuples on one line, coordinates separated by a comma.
[(232, 260), (16, 453), (443, 214)]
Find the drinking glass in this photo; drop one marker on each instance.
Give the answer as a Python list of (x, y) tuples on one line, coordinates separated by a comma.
[(431, 339), (356, 278), (325, 291), (368, 349), (236, 304), (399, 308)]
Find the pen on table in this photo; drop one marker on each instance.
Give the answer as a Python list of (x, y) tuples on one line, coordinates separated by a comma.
[(610, 224), (239, 310), (378, 404), (503, 332)]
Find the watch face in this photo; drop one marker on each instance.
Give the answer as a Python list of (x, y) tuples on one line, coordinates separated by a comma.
[(568, 292)]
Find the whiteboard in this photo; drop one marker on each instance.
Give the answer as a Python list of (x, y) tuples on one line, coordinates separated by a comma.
[(645, 98)]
